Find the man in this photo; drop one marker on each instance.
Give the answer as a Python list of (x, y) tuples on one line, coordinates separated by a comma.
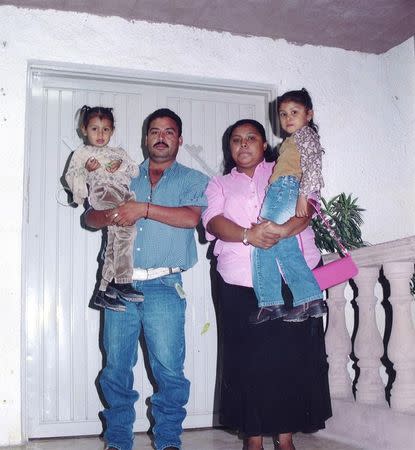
[(170, 198)]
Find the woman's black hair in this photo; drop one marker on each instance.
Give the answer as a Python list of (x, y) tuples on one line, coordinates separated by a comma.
[(301, 97), (87, 113), (228, 162)]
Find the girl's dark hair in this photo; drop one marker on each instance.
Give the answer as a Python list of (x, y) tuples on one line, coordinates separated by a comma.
[(87, 113), (228, 161), (301, 97)]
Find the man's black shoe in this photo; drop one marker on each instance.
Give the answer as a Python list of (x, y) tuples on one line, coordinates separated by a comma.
[(125, 291), (266, 313), (103, 301)]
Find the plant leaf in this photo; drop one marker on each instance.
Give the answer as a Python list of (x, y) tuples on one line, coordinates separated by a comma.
[(345, 217)]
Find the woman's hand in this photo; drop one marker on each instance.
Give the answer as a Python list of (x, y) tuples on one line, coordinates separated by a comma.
[(265, 234), (92, 164), (262, 235), (301, 209), (292, 227)]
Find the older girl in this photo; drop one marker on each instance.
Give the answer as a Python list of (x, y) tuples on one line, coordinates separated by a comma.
[(295, 181)]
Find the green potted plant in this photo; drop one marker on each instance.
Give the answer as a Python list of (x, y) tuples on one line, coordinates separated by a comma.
[(345, 218)]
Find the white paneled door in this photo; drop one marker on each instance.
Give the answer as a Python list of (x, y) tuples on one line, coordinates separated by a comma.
[(63, 356)]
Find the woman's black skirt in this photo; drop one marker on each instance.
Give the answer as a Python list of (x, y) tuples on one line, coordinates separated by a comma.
[(273, 376)]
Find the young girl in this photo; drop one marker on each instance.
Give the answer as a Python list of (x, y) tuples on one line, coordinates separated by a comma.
[(103, 174), (295, 181)]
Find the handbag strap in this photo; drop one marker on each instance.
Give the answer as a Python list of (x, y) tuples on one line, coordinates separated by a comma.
[(301, 243), (330, 229)]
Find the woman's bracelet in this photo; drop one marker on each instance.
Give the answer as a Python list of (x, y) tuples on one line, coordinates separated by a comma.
[(148, 208), (245, 236)]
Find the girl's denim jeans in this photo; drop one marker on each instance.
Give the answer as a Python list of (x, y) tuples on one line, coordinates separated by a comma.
[(285, 257)]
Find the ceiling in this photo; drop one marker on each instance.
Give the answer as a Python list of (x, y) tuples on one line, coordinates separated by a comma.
[(372, 26)]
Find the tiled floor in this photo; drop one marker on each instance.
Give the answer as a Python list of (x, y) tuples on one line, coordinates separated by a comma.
[(212, 439)]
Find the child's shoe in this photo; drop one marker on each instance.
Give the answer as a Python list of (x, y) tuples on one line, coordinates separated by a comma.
[(266, 313), (126, 291), (315, 308), (102, 300)]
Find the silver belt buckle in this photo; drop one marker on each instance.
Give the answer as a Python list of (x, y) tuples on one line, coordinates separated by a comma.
[(156, 272)]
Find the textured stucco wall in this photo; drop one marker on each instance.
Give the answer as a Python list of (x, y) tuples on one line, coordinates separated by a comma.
[(364, 105)]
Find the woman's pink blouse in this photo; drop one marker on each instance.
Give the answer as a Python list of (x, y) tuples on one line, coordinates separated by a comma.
[(239, 198)]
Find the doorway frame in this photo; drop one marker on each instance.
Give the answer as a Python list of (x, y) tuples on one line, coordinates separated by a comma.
[(61, 70)]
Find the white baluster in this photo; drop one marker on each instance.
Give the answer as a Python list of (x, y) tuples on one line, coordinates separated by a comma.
[(401, 348), (338, 344), (368, 345)]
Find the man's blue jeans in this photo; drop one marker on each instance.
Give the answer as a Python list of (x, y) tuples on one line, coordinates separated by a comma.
[(161, 317), (286, 256)]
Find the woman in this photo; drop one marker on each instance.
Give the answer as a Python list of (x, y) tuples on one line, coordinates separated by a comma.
[(275, 376)]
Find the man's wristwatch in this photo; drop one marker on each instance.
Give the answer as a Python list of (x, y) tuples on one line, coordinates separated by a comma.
[(245, 237)]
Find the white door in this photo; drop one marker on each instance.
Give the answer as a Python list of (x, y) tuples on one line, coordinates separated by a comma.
[(63, 357)]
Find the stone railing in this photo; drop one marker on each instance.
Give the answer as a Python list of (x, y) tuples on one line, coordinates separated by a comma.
[(368, 345)]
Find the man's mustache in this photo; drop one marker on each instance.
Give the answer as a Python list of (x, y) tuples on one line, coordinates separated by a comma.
[(161, 143)]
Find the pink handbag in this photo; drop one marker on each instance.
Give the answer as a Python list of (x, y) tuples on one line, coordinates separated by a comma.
[(338, 271), (335, 272)]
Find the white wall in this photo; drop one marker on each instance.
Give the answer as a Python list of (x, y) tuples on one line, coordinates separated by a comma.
[(364, 105)]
